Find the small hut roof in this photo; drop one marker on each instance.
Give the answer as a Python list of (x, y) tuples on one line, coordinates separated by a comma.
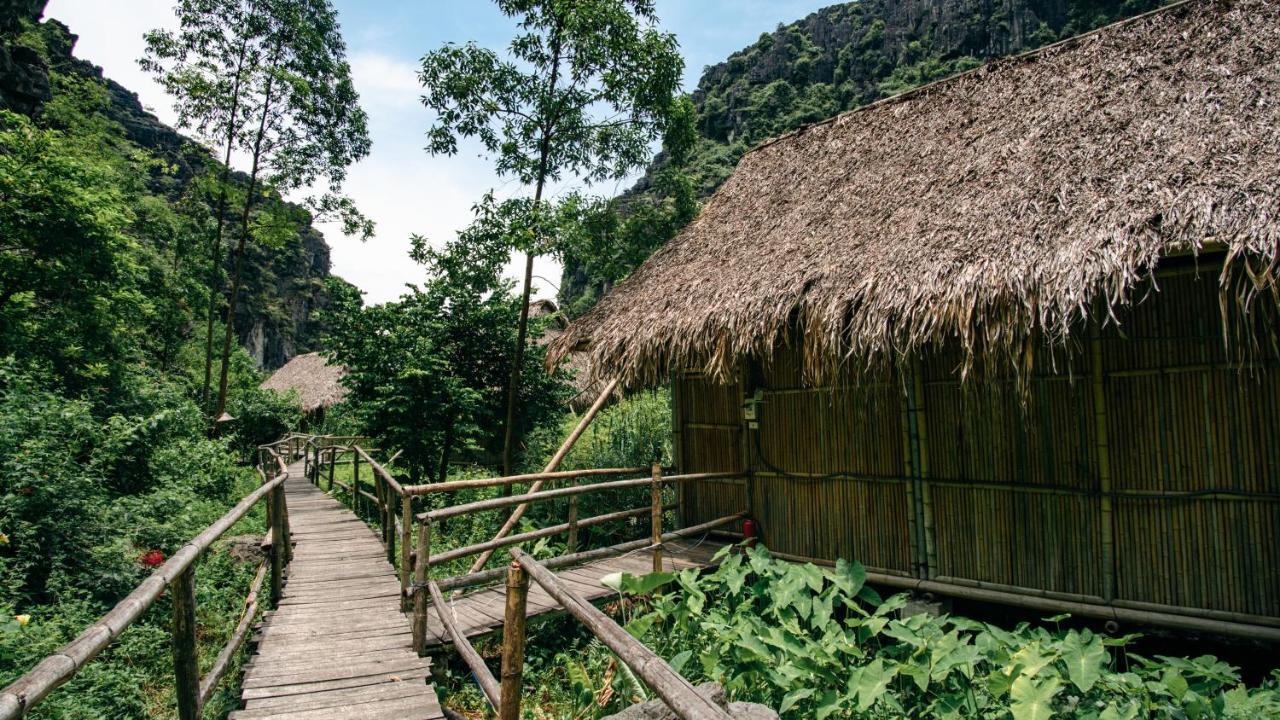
[(319, 384), (987, 207)]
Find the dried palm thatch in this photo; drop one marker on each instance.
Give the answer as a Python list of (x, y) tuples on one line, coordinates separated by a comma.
[(1002, 204), (318, 384), (586, 387)]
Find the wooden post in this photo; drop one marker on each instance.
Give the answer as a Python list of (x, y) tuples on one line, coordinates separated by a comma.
[(333, 463), (355, 470), (513, 643), (278, 544), (420, 578), (186, 657), (573, 525), (655, 496), (406, 543), (355, 487)]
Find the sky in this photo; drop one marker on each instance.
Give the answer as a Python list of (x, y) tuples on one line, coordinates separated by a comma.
[(400, 186)]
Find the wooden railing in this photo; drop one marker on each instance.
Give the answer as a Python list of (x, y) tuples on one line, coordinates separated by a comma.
[(178, 575), (392, 504)]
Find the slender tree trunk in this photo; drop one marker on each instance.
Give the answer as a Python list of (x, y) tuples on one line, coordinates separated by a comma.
[(233, 294), (513, 385), (215, 251)]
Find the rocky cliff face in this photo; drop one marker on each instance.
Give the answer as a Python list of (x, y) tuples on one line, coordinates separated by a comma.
[(284, 287)]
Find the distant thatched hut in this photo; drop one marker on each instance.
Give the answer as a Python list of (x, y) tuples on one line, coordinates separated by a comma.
[(1013, 331), (318, 384)]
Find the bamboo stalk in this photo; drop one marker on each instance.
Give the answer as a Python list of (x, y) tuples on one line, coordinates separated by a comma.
[(488, 683), (406, 543), (554, 463), (513, 639), (675, 691)]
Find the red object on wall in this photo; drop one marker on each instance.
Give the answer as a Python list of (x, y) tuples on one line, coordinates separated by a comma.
[(750, 532)]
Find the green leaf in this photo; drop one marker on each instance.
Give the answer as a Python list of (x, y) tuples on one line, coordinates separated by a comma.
[(1032, 700), (1085, 658), (792, 698), (872, 682), (645, 584)]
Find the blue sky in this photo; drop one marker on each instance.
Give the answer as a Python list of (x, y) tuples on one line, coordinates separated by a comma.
[(399, 185)]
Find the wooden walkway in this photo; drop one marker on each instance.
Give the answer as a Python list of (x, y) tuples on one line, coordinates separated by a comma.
[(338, 646), (482, 611)]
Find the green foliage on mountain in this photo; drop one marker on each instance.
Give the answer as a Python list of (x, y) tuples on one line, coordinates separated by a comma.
[(839, 58)]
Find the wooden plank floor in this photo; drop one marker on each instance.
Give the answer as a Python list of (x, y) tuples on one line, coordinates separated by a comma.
[(337, 647), (481, 612)]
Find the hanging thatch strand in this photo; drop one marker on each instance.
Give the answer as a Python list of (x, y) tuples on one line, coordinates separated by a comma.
[(991, 207), (318, 384)]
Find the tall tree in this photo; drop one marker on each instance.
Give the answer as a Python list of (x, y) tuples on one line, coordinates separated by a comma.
[(206, 65), (584, 90), (309, 128), (420, 369)]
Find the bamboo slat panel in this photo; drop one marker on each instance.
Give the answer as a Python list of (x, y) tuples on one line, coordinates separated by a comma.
[(710, 441), (1015, 492)]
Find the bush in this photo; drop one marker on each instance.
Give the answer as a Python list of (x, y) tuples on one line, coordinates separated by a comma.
[(817, 643)]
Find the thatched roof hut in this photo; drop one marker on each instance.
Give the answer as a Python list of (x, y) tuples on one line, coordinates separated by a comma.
[(989, 207), (318, 384), (1098, 215)]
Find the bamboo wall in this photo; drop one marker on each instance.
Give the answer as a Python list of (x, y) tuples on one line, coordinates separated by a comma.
[(1143, 468)]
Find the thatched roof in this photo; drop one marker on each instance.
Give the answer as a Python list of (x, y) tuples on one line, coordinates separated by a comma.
[(586, 386), (318, 383), (989, 207)]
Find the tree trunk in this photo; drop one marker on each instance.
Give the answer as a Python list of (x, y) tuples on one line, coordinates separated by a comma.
[(232, 296), (215, 251), (513, 385)]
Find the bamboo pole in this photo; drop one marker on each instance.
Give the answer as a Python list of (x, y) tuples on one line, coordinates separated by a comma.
[(554, 463), (675, 691), (1102, 444), (486, 576), (484, 677), (490, 545), (420, 578), (655, 500), (513, 637), (529, 498), (456, 485), (186, 652)]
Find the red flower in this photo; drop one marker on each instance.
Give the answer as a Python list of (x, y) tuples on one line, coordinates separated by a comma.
[(152, 558)]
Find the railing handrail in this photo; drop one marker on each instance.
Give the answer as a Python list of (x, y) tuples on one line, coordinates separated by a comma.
[(545, 495), (456, 485), (28, 690)]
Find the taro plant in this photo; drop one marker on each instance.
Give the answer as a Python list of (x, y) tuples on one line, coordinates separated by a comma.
[(818, 643)]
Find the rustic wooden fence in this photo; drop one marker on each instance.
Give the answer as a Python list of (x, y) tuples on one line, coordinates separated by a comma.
[(392, 505), (178, 576)]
